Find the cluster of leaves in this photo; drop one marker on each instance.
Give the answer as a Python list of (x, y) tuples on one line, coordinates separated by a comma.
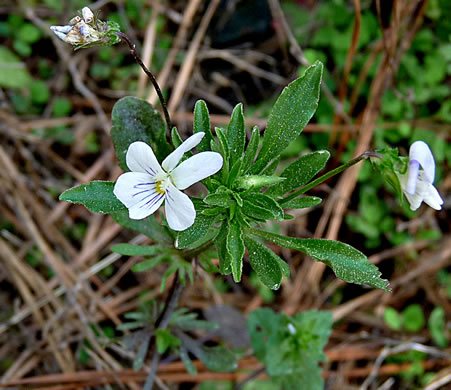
[(243, 195), (291, 347), (175, 339)]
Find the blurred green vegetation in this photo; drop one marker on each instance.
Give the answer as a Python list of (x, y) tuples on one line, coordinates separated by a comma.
[(420, 94)]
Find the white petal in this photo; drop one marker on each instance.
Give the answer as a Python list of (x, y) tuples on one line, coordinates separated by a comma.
[(75, 20), (140, 158), (424, 192), (137, 191), (60, 35), (88, 16), (421, 152), (180, 212), (62, 29), (196, 168), (414, 200), (433, 198), (171, 161)]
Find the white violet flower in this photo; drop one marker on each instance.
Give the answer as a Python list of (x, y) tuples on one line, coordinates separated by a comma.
[(148, 185), (417, 184)]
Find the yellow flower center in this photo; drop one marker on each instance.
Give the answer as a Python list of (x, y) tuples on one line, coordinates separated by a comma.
[(161, 187)]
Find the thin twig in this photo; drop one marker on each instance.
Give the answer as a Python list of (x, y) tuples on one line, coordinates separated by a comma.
[(252, 375), (162, 322)]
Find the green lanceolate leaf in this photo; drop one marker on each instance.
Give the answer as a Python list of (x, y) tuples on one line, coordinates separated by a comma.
[(260, 206), (147, 264), (175, 137), (223, 144), (264, 263), (291, 112), (236, 134), (205, 261), (195, 232), (136, 250), (202, 123), (225, 263), (219, 198), (218, 358), (213, 211), (165, 340), (225, 153), (235, 249), (348, 263), (136, 120), (96, 196), (300, 172), (251, 150), (302, 203), (215, 358), (234, 172), (148, 226), (189, 365)]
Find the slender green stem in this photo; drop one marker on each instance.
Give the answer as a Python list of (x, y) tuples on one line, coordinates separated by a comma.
[(328, 175), (149, 74)]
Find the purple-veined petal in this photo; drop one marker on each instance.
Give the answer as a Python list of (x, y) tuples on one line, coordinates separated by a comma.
[(179, 208), (141, 158), (196, 168), (137, 191), (420, 151), (171, 161)]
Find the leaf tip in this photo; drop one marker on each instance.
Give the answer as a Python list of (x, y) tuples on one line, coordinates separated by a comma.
[(66, 195)]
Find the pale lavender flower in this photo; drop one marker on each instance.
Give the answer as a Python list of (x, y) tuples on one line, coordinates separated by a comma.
[(417, 184)]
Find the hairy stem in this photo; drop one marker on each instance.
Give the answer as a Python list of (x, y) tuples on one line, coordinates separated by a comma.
[(149, 74)]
